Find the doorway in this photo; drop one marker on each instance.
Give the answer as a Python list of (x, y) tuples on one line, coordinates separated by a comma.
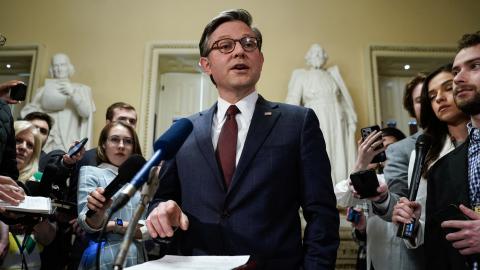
[(390, 68), (20, 63), (173, 87)]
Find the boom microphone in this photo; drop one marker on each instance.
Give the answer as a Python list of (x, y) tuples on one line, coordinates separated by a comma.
[(125, 172), (422, 146), (165, 148)]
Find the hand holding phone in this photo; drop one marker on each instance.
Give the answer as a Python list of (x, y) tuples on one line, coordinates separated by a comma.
[(18, 92), (365, 183), (77, 147), (366, 131)]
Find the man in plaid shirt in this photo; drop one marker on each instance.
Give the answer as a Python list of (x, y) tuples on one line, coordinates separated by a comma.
[(455, 244)]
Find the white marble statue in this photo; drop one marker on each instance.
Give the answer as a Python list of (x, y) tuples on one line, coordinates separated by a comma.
[(69, 104), (325, 92)]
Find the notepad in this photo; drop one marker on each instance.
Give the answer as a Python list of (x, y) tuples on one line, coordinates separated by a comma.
[(38, 205), (171, 262)]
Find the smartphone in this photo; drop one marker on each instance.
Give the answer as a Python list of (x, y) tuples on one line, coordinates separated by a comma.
[(380, 157), (77, 147), (353, 215), (18, 92), (365, 183)]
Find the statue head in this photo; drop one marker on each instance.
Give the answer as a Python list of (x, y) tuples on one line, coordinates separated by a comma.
[(316, 56), (61, 68)]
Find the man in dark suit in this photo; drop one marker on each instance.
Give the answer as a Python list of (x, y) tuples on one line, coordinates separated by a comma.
[(242, 198), (455, 179)]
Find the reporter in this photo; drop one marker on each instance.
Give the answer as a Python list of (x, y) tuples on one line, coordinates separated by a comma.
[(445, 124), (37, 232), (380, 237), (116, 144)]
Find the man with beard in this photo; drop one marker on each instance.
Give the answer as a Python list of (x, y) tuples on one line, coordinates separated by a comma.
[(452, 243)]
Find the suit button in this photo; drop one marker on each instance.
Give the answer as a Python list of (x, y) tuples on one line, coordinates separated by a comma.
[(225, 214)]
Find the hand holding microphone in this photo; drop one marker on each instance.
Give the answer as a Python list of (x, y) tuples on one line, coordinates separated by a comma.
[(409, 230), (125, 172), (98, 204), (406, 211)]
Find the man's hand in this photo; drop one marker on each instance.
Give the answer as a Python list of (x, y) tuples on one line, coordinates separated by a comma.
[(70, 161), (406, 211), (467, 239), (10, 192), (164, 217), (4, 91), (382, 191), (76, 228)]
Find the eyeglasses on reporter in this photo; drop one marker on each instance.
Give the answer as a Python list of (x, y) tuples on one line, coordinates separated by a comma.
[(116, 140)]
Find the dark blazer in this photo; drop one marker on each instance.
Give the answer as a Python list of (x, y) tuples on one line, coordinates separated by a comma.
[(447, 184), (8, 162), (284, 166)]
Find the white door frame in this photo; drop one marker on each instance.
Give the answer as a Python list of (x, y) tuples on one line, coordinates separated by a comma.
[(151, 82), (375, 51)]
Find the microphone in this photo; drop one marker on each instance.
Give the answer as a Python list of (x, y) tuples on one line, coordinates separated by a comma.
[(125, 172), (165, 148), (408, 231), (148, 191), (48, 177)]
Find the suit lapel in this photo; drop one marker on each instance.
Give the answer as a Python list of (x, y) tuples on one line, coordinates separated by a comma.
[(264, 118), (203, 135)]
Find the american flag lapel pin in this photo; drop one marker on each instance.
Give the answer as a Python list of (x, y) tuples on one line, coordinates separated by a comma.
[(268, 114)]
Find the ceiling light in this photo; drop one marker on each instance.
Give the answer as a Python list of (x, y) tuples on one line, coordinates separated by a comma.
[(406, 67), (8, 65)]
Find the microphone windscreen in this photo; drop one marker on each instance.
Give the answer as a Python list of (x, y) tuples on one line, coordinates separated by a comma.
[(126, 172), (423, 140), (171, 141)]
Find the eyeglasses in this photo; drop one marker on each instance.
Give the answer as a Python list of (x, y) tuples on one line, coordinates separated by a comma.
[(227, 45), (116, 140)]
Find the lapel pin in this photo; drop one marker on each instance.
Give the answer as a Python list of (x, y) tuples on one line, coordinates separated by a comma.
[(268, 113)]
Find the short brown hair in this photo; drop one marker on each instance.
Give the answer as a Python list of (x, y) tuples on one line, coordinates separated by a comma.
[(468, 40), (101, 156), (117, 105), (227, 16), (407, 96)]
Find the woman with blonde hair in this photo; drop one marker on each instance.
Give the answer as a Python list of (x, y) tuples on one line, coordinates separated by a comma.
[(28, 147), (23, 241)]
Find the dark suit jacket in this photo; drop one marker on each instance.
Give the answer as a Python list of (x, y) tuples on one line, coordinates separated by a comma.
[(447, 184), (283, 166)]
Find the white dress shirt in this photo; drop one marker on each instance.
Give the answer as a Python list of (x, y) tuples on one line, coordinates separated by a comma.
[(244, 118)]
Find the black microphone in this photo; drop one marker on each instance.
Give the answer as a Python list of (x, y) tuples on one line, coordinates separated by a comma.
[(48, 177), (43, 188), (408, 231), (165, 148), (125, 172)]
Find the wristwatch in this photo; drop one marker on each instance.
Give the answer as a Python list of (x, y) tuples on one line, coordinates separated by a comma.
[(118, 225)]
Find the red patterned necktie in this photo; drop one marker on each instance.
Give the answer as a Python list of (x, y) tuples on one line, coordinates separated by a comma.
[(227, 145)]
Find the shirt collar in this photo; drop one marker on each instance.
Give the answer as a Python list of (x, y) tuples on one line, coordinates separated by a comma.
[(109, 167), (246, 106)]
